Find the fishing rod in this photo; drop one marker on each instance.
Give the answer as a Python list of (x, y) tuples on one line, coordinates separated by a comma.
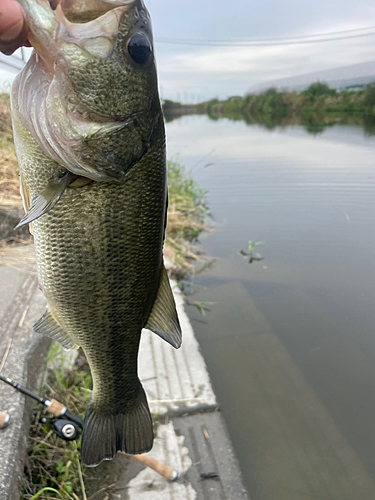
[(69, 427)]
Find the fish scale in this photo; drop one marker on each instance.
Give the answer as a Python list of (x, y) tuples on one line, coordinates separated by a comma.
[(95, 194)]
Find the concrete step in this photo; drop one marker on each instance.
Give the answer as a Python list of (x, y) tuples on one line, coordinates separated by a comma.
[(22, 354), (191, 435)]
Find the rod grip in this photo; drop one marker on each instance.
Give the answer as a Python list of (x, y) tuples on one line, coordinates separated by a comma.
[(56, 408), (163, 469), (4, 420)]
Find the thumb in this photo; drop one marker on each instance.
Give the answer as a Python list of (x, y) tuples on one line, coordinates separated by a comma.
[(13, 27)]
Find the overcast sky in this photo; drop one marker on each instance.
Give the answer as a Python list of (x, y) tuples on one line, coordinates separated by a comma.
[(202, 71), (225, 71)]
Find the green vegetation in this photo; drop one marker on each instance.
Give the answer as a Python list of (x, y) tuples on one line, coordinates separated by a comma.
[(249, 254), (168, 104), (187, 211), (318, 89), (187, 288), (9, 189), (52, 467), (316, 107), (173, 109), (369, 100)]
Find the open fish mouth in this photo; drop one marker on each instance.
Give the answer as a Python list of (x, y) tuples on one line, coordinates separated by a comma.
[(88, 10), (53, 24), (64, 51)]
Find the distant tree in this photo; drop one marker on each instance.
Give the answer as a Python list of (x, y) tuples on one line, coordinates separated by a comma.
[(318, 89), (210, 104), (369, 101), (168, 104), (272, 103)]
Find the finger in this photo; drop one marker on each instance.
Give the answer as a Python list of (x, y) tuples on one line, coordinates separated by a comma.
[(13, 28)]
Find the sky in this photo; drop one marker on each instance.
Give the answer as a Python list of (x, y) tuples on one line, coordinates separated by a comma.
[(198, 72), (193, 71)]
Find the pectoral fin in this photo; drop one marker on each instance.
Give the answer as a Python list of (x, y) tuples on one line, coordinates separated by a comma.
[(163, 319), (25, 198), (44, 202), (49, 326)]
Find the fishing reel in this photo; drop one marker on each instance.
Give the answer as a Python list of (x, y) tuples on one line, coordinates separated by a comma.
[(63, 428), (63, 423)]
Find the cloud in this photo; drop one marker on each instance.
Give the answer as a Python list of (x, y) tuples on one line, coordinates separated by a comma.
[(232, 70)]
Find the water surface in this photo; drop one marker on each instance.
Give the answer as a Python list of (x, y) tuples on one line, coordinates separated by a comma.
[(290, 341)]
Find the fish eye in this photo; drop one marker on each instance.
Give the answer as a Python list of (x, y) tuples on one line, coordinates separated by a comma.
[(139, 48)]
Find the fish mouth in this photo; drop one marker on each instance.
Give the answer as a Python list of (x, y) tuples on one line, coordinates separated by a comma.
[(88, 10), (55, 22)]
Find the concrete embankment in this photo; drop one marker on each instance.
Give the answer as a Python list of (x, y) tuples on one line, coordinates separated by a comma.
[(191, 433)]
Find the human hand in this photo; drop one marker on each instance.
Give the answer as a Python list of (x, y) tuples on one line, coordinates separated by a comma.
[(13, 27)]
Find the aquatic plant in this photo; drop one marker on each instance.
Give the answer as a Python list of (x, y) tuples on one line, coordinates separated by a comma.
[(249, 253)]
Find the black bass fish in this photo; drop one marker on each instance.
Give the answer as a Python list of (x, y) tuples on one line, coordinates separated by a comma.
[(90, 142)]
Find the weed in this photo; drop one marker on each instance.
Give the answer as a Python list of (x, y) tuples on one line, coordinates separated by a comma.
[(201, 305), (9, 191), (186, 215), (52, 467), (186, 288), (249, 253), (186, 207)]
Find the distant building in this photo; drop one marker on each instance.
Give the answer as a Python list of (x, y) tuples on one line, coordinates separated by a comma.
[(354, 77)]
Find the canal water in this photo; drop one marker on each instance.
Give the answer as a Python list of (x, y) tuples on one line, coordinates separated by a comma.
[(290, 339)]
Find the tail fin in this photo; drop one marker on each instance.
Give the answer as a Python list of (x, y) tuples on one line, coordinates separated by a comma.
[(106, 433)]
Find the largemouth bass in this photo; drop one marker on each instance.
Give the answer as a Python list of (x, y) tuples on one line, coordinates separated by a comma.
[(90, 142)]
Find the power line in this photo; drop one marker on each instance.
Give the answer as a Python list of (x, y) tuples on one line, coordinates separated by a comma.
[(267, 43), (312, 35), (11, 62)]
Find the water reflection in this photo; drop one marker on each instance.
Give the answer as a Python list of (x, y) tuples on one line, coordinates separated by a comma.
[(290, 341), (313, 123)]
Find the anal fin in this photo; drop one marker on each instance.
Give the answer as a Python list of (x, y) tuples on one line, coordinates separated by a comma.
[(163, 319), (45, 201), (49, 326)]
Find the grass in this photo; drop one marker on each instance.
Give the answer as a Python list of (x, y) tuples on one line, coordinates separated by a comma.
[(187, 211), (9, 190), (52, 468), (317, 106), (186, 208)]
